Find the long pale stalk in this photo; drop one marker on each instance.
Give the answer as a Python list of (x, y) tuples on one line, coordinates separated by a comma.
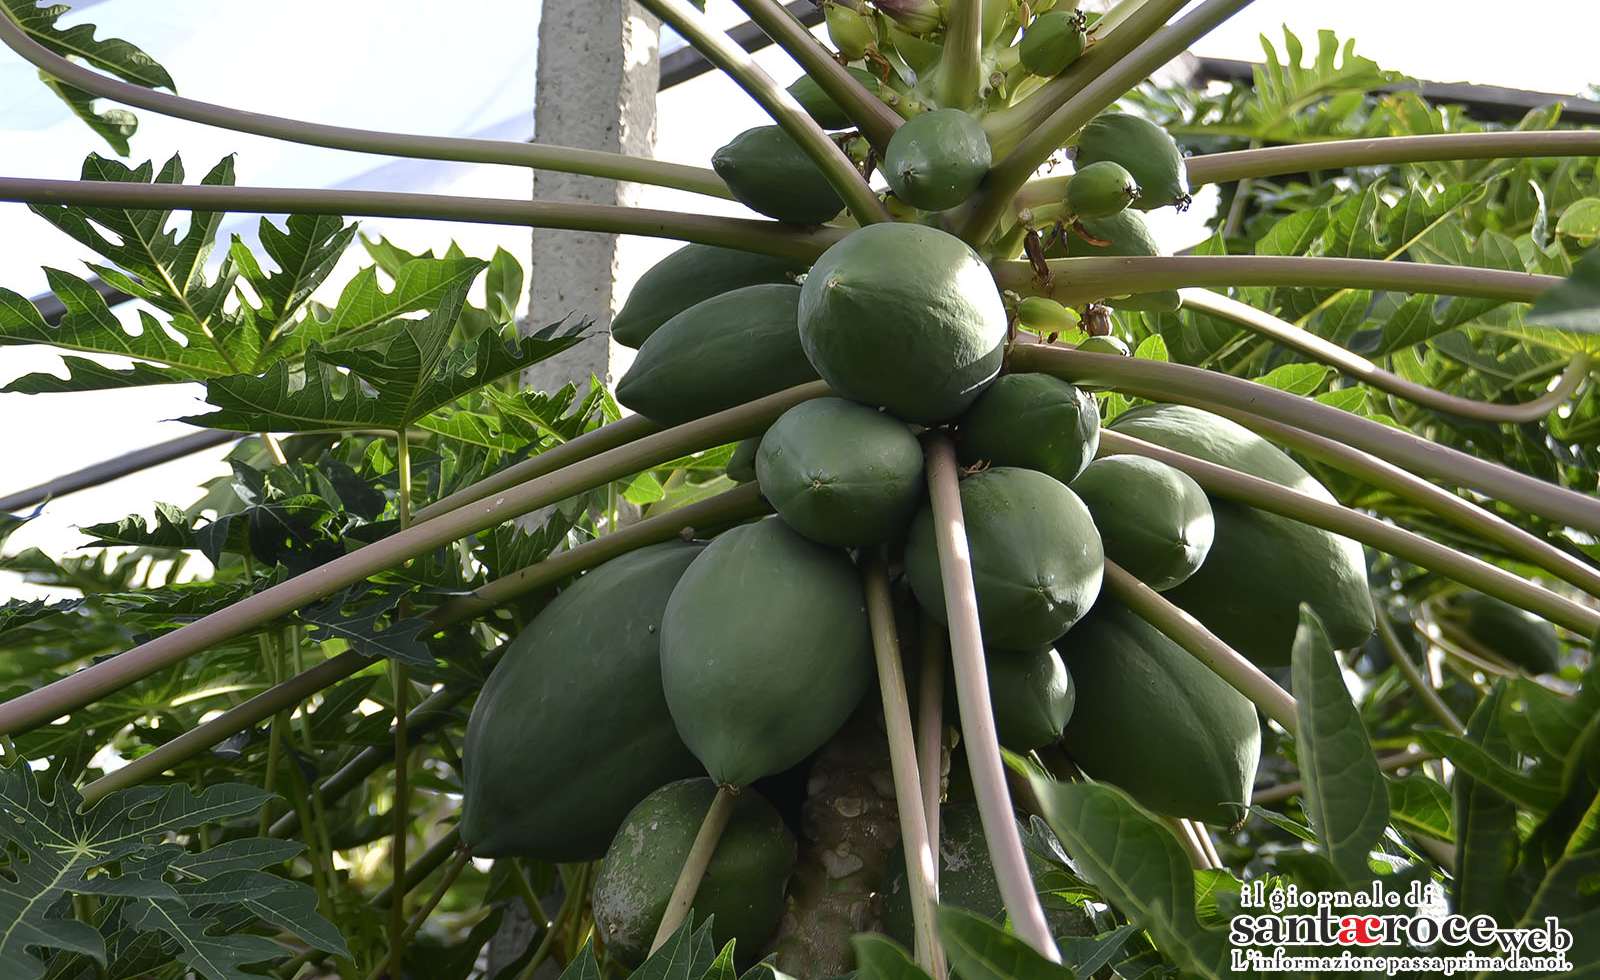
[(1087, 279), (766, 237), (1161, 381), (960, 68), (876, 120), (1414, 677), (1008, 176), (1266, 495), (972, 697), (726, 508), (1358, 367), (1187, 632), (921, 861), (1272, 161), (930, 727), (91, 683), (535, 156), (695, 864), (738, 65)]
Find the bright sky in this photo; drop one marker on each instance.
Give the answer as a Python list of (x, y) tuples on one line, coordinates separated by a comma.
[(367, 64)]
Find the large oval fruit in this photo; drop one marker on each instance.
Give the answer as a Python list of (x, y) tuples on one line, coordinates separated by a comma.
[(743, 885), (1035, 421), (1036, 558), (765, 650), (820, 105), (1157, 722), (841, 473), (936, 160), (1507, 632), (1145, 149), (1032, 695), (1052, 42), (1100, 190), (1261, 566), (904, 316), (1154, 520), (849, 28), (719, 353), (768, 172), (687, 276), (572, 729), (1121, 234)]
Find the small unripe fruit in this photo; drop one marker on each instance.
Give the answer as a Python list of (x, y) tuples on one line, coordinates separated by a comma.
[(1042, 315), (919, 17), (1100, 190), (937, 159), (1105, 345), (1052, 42), (850, 30)]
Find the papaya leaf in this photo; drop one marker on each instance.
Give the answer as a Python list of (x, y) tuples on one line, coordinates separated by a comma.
[(980, 949), (364, 307), (367, 618), (1088, 956), (170, 529), (1297, 379), (1485, 822), (305, 251), (1138, 866), (673, 961), (1537, 792), (880, 958), (18, 613), (1420, 804), (113, 56), (1345, 797), (584, 966), (1573, 304)]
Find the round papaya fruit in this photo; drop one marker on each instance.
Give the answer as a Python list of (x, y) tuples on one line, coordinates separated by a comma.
[(1052, 42), (1032, 695), (718, 353), (1261, 566), (1100, 190), (819, 105), (849, 28), (1035, 421), (742, 888), (1155, 721), (936, 160), (1512, 634), (687, 276), (1036, 558), (572, 728), (1041, 315), (904, 316), (1106, 345), (1120, 234), (742, 464), (841, 473), (769, 173), (765, 650), (1145, 149), (1154, 520)]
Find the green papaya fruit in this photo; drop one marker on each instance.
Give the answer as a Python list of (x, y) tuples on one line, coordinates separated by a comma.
[(1052, 42), (1261, 566), (1041, 315), (849, 28), (1032, 694), (1507, 632), (742, 888), (1100, 190), (1106, 345), (919, 17), (904, 316), (966, 879), (718, 353), (1155, 721), (572, 729), (1154, 520), (765, 650), (688, 276), (1036, 558), (819, 105), (1035, 421), (742, 464), (841, 473), (769, 173), (1121, 234), (936, 160), (1145, 149)]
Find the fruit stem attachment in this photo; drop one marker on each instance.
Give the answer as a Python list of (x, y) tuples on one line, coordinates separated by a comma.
[(1414, 677), (972, 699), (737, 64), (535, 156), (921, 864), (695, 864), (960, 68), (1187, 632), (1358, 367), (1272, 161), (876, 120)]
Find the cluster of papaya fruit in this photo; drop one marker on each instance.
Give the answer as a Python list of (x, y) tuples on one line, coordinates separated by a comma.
[(665, 673)]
